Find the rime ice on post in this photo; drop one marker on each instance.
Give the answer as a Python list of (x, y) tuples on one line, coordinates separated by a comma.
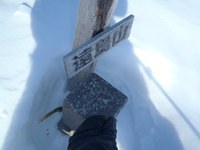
[(94, 96)]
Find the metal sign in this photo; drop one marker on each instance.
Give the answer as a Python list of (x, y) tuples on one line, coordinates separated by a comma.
[(86, 54)]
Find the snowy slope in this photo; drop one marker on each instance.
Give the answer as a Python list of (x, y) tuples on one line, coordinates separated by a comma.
[(157, 68)]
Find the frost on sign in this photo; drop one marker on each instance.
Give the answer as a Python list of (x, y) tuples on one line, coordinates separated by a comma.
[(83, 56)]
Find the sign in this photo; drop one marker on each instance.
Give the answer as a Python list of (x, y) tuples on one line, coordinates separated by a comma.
[(86, 54)]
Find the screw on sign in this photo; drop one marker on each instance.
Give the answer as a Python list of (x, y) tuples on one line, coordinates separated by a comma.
[(83, 56)]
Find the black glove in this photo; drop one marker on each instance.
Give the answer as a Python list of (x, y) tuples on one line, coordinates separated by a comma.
[(95, 133)]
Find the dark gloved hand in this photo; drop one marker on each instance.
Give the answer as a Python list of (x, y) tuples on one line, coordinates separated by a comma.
[(95, 133)]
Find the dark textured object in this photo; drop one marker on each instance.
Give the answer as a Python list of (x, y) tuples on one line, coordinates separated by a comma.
[(94, 96), (95, 133)]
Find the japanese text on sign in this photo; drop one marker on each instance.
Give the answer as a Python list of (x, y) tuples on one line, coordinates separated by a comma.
[(83, 56)]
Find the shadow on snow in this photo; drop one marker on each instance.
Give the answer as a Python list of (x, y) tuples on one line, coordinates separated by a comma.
[(52, 22)]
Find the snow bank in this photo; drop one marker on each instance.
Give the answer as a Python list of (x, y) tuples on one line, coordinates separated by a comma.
[(157, 68)]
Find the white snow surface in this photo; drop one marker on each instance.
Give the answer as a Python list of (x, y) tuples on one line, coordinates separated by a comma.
[(158, 68)]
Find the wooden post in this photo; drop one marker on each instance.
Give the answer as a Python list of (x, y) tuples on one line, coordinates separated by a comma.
[(83, 56), (92, 95), (94, 16)]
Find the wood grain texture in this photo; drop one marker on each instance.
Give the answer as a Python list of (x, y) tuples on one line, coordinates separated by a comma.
[(93, 17), (86, 21)]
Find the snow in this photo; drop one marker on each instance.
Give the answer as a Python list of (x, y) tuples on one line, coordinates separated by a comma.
[(157, 68)]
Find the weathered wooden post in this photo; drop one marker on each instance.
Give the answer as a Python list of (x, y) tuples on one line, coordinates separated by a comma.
[(94, 16), (90, 94)]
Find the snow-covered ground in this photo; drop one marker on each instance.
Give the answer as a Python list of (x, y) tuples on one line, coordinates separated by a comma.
[(158, 68)]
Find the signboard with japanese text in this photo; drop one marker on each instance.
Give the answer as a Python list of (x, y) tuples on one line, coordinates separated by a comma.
[(86, 54)]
